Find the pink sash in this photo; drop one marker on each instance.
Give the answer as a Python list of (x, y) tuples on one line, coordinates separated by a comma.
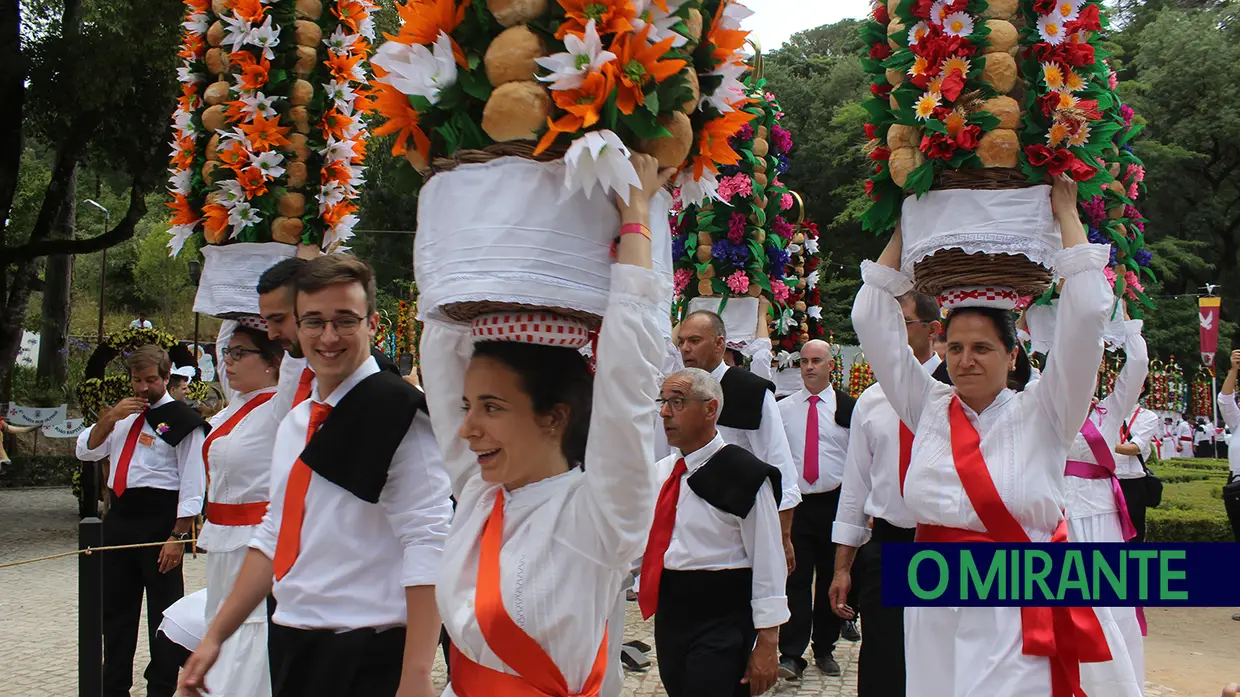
[(1104, 469)]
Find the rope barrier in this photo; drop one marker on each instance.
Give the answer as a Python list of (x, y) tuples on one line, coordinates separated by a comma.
[(90, 550)]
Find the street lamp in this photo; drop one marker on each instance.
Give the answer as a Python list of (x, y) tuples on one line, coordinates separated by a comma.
[(195, 275), (103, 266)]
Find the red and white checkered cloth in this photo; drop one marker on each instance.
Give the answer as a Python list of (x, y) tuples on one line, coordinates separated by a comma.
[(979, 296), (541, 328), (253, 322)]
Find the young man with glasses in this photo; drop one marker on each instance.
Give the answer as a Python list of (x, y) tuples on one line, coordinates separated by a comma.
[(713, 574), (359, 513)]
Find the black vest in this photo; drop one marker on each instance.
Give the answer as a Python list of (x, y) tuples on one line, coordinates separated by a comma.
[(731, 479), (174, 421), (843, 408), (353, 448), (743, 395)]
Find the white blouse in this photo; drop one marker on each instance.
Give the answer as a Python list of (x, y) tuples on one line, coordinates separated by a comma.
[(568, 541), (239, 468), (1230, 412), (1090, 497), (1024, 436)]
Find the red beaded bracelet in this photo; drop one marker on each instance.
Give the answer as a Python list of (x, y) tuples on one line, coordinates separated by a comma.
[(635, 229)]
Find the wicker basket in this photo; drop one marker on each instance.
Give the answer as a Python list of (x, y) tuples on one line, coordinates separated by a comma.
[(992, 179), (953, 268), (523, 149), (467, 312)]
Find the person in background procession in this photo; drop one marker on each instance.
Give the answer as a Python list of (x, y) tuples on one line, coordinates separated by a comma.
[(872, 490), (816, 419), (987, 463), (141, 322), (1231, 416), (178, 383), (713, 575), (156, 483)]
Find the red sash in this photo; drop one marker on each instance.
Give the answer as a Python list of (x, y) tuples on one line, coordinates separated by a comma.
[(227, 427), (1067, 636), (236, 514), (538, 675)]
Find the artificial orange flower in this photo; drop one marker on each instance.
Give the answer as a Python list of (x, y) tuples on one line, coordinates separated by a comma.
[(184, 158), (183, 213), (198, 6), (233, 155), (727, 42), (335, 123), (713, 146), (337, 171), (188, 101), (251, 11), (610, 17), (423, 20), (215, 222), (402, 120), (363, 100), (334, 214), (351, 13), (192, 47), (254, 72), (253, 181), (583, 104), (265, 134), (341, 67), (636, 64)]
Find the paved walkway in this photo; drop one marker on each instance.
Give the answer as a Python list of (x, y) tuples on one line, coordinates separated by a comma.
[(38, 611)]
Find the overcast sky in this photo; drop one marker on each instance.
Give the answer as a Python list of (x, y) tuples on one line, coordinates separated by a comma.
[(774, 21)]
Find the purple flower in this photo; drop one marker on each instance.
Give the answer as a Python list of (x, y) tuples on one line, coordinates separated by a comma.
[(1095, 210), (729, 170), (746, 132), (781, 165), (737, 255), (1127, 113), (1142, 257), (783, 228), (778, 259), (781, 139), (678, 247), (736, 228), (162, 429), (1113, 257), (1096, 236)]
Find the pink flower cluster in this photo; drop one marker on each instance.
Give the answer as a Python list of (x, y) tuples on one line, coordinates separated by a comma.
[(1113, 80), (783, 228), (736, 184), (1132, 285), (738, 282), (779, 291), (1110, 275), (1127, 113), (781, 139), (1095, 209), (1134, 190), (680, 280), (736, 228), (785, 202)]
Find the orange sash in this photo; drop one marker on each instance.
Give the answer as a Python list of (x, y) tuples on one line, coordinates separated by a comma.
[(538, 675), (1067, 636)]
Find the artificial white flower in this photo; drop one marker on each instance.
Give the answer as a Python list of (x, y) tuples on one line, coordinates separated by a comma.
[(811, 245), (730, 89), (340, 233), (367, 28), (337, 150), (1068, 10), (695, 192), (196, 23), (582, 57), (917, 33), (238, 135), (329, 195), (1051, 30), (229, 193), (784, 322), (733, 14), (258, 103), (958, 24), (660, 22), (417, 71), (236, 31), (599, 157), (178, 234), (183, 122), (264, 37), (814, 311), (794, 249), (242, 216), (787, 360), (270, 163), (340, 42), (939, 11), (340, 92), (811, 281), (185, 76), (181, 182)]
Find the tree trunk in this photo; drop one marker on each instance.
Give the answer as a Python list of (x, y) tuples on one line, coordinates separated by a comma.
[(11, 321), (57, 275)]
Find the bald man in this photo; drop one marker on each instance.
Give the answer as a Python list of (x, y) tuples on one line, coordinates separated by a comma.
[(816, 420)]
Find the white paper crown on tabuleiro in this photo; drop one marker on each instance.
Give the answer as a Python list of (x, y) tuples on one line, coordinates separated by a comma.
[(979, 296), (539, 327)]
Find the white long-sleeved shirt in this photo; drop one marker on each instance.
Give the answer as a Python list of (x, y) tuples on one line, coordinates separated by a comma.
[(1090, 497), (154, 464), (705, 538), (1024, 436), (239, 465), (769, 443), (871, 485), (1230, 412), (568, 541), (357, 558), (832, 439)]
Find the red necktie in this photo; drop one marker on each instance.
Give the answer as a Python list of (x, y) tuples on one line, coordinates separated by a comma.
[(811, 440), (906, 453), (288, 544), (303, 386), (121, 481), (660, 539)]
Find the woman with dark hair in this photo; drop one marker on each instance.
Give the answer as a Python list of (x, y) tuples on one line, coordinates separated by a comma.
[(987, 464), (552, 471), (237, 454)]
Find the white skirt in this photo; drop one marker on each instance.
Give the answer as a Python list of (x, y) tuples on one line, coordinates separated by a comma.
[(242, 669)]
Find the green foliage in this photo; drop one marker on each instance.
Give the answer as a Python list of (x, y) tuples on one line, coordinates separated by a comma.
[(1192, 505), (41, 470)]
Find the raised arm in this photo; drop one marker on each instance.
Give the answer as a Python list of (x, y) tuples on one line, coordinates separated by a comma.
[(1227, 398), (445, 354), (1131, 379), (879, 324), (1064, 393)]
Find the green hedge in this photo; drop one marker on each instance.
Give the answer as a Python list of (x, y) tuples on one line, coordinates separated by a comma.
[(1192, 505), (40, 470)]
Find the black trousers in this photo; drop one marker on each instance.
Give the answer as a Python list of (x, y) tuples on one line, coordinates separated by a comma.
[(880, 670), (141, 515), (703, 632), (809, 584), (1135, 499), (324, 663), (1231, 503)]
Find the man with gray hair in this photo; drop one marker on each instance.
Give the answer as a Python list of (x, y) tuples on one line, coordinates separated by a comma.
[(714, 572)]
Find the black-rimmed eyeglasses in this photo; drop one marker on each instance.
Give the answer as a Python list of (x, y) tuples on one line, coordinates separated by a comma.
[(677, 403), (345, 325)]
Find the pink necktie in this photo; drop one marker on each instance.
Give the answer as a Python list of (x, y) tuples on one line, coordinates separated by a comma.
[(811, 441)]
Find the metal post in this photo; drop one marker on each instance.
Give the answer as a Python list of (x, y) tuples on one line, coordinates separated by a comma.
[(103, 267), (89, 481), (90, 607)]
